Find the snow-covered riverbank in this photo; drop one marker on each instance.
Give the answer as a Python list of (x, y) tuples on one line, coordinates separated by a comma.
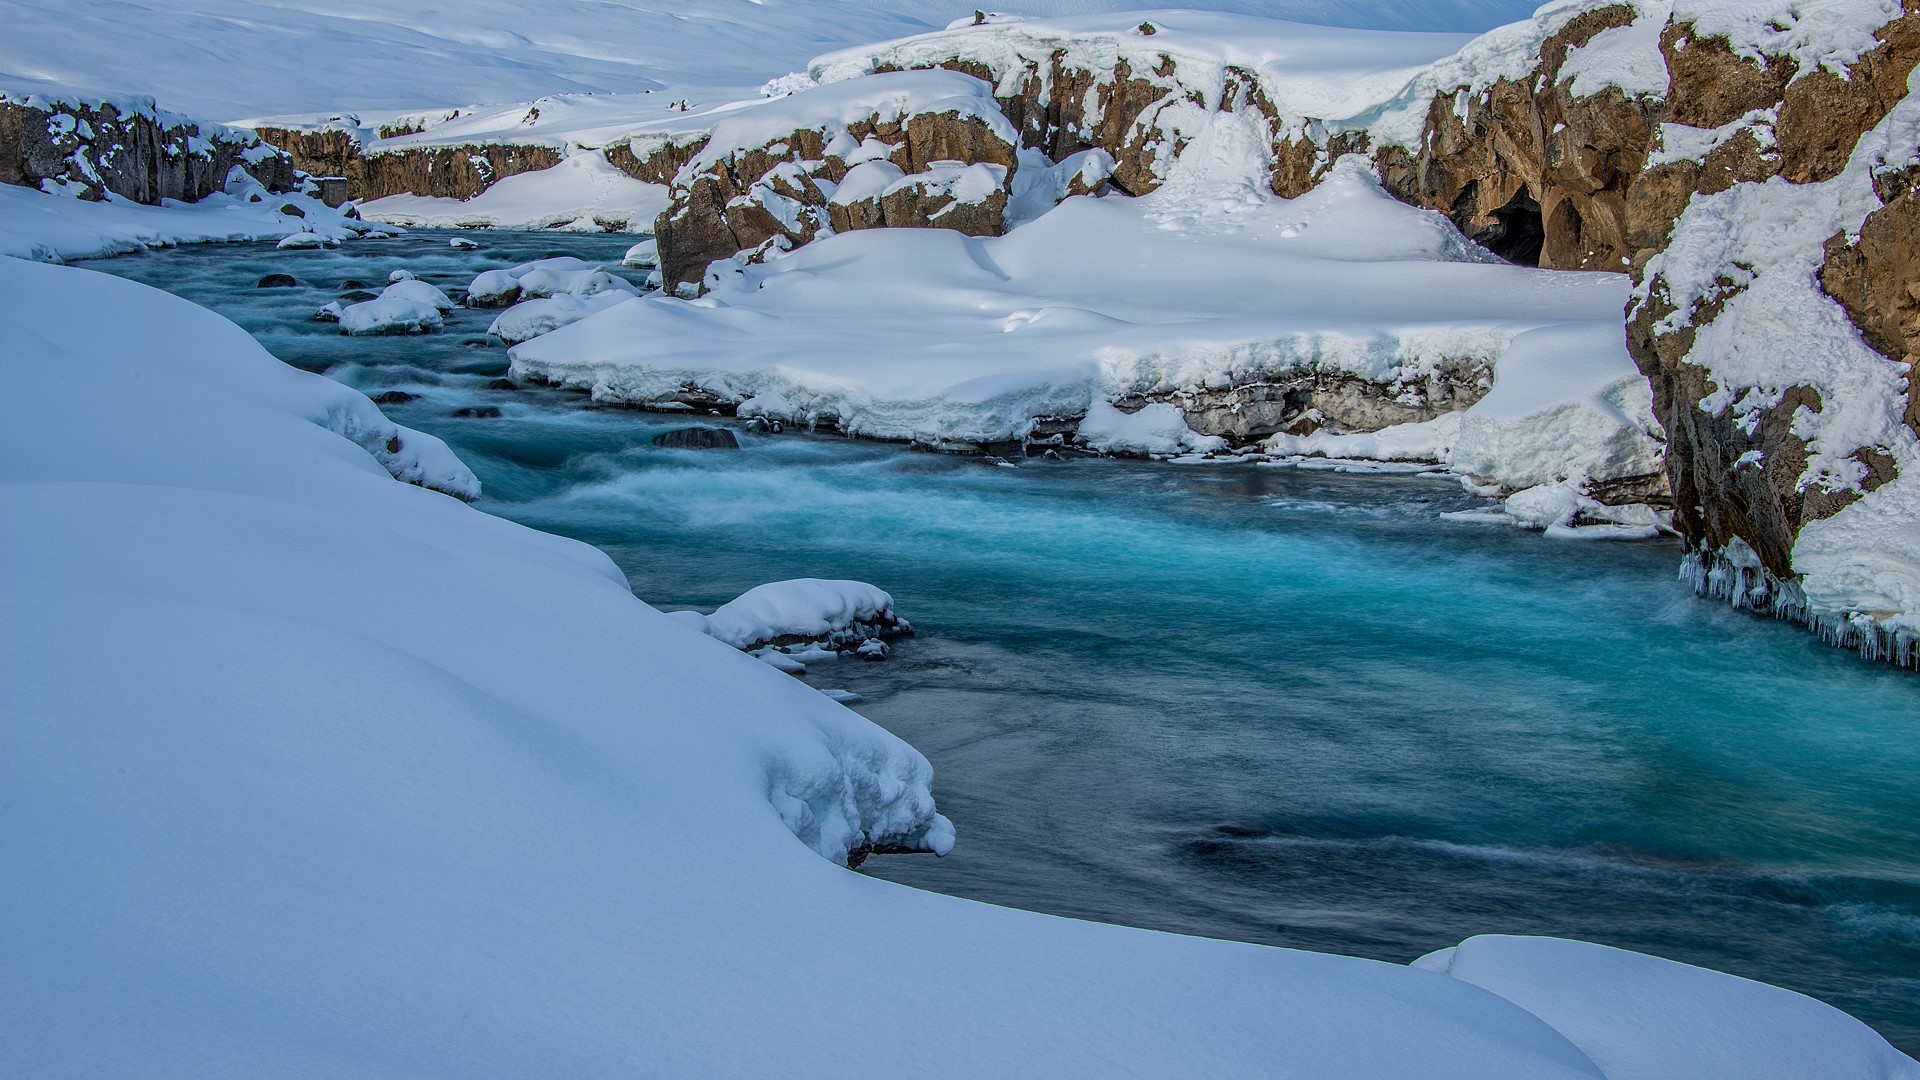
[(456, 863)]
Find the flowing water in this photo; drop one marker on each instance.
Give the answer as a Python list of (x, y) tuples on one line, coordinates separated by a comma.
[(1280, 705)]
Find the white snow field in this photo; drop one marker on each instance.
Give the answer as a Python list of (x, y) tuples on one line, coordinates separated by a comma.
[(232, 58), (310, 772)]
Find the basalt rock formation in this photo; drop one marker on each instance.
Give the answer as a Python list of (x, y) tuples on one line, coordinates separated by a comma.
[(128, 149)]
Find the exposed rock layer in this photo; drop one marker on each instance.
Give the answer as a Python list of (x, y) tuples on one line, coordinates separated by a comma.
[(94, 149), (454, 172)]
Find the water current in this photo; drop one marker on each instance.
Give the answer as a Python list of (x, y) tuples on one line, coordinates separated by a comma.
[(1281, 705)]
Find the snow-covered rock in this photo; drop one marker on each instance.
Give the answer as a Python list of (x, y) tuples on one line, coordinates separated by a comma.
[(391, 315), (836, 615)]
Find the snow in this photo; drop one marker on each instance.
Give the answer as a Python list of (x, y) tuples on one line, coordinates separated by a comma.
[(1815, 34), (560, 275), (1680, 142), (1732, 1029), (1628, 57), (931, 336), (1156, 429), (1567, 403), (531, 318), (582, 188), (390, 315), (813, 609), (380, 782), (644, 255), (220, 58), (57, 228)]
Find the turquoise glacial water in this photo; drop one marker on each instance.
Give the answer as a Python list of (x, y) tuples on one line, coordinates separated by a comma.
[(1285, 706)]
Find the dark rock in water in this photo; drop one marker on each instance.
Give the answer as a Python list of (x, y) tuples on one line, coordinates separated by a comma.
[(359, 296), (479, 412), (559, 255), (394, 397), (293, 211), (697, 438), (352, 283), (477, 343), (276, 281), (503, 384)]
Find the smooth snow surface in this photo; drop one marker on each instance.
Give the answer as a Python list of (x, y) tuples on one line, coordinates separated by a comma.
[(226, 58)]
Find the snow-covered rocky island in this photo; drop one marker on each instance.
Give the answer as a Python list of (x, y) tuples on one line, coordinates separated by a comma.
[(442, 657)]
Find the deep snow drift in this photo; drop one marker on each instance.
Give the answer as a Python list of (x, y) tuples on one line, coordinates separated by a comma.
[(461, 860)]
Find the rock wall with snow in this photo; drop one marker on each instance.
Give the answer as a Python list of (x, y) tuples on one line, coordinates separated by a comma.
[(458, 171), (91, 147)]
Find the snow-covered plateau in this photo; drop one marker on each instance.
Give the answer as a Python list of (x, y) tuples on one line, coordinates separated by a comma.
[(333, 810)]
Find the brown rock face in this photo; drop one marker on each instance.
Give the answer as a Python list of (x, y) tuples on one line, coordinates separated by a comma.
[(754, 201), (134, 156), (1531, 171), (455, 172), (1877, 278), (1738, 477)]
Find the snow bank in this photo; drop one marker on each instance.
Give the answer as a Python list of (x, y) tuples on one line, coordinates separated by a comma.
[(1209, 282), (1637, 1015), (342, 807), (58, 228), (583, 193)]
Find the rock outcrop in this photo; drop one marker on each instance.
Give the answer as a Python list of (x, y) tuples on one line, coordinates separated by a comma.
[(129, 149), (928, 169), (446, 171)]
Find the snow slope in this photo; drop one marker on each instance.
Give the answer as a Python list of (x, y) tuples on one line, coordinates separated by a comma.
[(314, 773), (232, 58)]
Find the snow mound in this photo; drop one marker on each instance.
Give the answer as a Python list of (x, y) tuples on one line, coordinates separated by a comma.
[(1154, 430), (561, 275), (391, 315), (582, 190), (531, 318), (1639, 1016), (836, 614)]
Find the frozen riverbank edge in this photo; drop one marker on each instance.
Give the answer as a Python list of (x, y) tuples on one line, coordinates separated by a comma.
[(249, 857)]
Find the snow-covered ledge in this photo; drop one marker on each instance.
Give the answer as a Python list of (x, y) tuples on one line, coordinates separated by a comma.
[(309, 772)]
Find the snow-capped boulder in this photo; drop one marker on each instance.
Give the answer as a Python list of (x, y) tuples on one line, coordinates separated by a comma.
[(561, 275), (391, 315), (831, 615)]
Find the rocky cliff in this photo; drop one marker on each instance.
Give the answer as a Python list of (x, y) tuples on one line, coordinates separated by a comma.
[(448, 171), (128, 148)]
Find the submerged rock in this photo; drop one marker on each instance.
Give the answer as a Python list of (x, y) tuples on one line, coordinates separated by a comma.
[(394, 397), (697, 438), (478, 412), (276, 281)]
